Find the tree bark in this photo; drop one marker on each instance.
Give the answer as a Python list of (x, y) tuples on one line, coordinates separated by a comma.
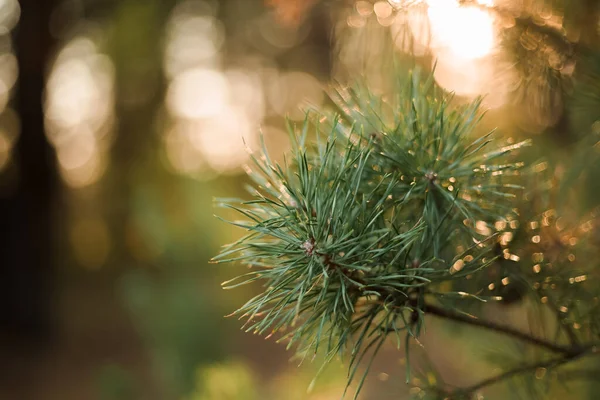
[(26, 209)]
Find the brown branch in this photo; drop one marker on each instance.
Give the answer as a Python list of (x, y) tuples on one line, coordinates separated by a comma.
[(575, 354), (568, 353), (495, 327)]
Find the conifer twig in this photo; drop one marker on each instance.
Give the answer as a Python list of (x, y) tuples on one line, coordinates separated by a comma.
[(493, 326), (498, 328), (351, 231), (575, 354)]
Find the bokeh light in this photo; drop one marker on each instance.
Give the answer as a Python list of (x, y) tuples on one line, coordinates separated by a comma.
[(207, 104), (80, 110), (8, 77), (194, 38), (216, 110), (5, 147), (462, 39), (9, 121), (10, 11), (198, 93), (467, 32), (289, 92), (463, 42)]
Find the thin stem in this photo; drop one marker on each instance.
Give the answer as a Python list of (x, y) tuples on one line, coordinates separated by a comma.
[(566, 328), (581, 374), (493, 326), (552, 363)]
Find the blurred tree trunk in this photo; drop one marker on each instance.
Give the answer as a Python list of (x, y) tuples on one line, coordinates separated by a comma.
[(135, 47), (27, 271)]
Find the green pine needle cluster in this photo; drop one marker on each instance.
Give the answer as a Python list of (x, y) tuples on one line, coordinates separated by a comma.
[(379, 205)]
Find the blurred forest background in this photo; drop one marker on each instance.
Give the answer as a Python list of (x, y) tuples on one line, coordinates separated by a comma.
[(121, 120)]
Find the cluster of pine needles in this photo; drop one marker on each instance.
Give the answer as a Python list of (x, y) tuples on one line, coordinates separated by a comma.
[(391, 207)]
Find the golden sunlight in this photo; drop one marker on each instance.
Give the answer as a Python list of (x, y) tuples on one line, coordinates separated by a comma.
[(466, 31), (462, 40)]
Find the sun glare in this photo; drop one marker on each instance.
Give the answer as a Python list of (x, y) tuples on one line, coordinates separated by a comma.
[(467, 32), (461, 39)]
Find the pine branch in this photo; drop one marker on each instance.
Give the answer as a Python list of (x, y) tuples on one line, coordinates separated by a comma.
[(396, 200), (495, 327), (574, 354)]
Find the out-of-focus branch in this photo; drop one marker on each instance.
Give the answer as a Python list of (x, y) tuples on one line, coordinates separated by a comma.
[(495, 327), (552, 363)]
